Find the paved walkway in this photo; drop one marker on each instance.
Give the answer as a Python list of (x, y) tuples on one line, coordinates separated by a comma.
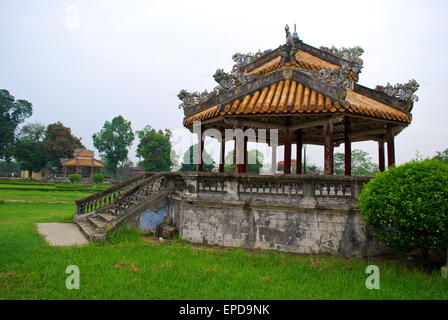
[(61, 234)]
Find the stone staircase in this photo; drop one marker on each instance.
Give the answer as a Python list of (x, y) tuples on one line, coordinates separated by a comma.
[(102, 213)]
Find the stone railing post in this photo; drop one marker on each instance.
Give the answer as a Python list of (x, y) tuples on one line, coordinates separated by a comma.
[(191, 186), (309, 196), (232, 189), (357, 189)]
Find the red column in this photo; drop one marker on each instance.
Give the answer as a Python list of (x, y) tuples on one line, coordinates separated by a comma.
[(299, 144), (287, 154), (223, 151), (381, 162), (329, 147), (347, 148), (390, 146)]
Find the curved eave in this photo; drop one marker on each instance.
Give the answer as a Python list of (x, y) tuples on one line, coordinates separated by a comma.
[(289, 97)]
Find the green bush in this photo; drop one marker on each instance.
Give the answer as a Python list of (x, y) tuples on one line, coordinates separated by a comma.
[(74, 177), (407, 206), (98, 178)]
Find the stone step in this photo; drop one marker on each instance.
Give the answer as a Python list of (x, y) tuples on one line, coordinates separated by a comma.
[(86, 228), (92, 233), (98, 222), (106, 217)]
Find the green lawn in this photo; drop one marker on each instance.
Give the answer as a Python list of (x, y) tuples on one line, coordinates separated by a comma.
[(131, 267)]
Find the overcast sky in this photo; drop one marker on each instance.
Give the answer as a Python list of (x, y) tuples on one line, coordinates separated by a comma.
[(84, 62)]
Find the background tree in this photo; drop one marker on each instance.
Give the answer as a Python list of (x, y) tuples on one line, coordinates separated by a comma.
[(12, 113), (29, 150), (252, 156), (442, 156), (361, 163), (59, 143), (32, 131), (189, 160), (113, 141), (155, 149), (311, 168), (9, 168)]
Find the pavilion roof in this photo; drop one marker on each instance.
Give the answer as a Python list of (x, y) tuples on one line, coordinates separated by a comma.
[(83, 163), (82, 158), (295, 79)]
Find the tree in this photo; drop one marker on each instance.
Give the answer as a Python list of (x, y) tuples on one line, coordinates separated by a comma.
[(32, 131), (155, 149), (9, 168), (189, 160), (29, 150), (310, 167), (12, 113), (442, 156), (252, 156), (59, 143), (407, 206), (113, 141), (361, 163), (30, 154)]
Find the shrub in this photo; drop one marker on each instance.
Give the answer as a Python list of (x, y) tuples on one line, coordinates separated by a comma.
[(98, 178), (74, 177), (407, 206)]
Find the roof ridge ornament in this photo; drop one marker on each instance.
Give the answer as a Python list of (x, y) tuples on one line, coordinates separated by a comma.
[(401, 91), (226, 80), (352, 55), (290, 48)]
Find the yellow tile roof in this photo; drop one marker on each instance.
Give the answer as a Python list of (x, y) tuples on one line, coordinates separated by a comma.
[(359, 104), (303, 60), (83, 163), (291, 97)]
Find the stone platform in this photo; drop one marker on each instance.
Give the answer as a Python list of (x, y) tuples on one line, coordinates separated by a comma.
[(61, 234)]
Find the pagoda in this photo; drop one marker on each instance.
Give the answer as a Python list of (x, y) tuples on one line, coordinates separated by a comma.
[(309, 96)]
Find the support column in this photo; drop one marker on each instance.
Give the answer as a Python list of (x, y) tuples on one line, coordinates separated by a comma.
[(347, 148), (223, 151), (287, 152), (240, 147), (390, 146), (329, 147), (235, 169), (273, 158), (299, 144), (245, 154), (381, 162), (199, 159)]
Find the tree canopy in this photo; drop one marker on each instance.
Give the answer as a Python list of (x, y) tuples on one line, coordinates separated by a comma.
[(189, 160), (29, 150), (59, 143), (442, 156), (155, 149), (113, 141), (255, 161), (361, 163), (12, 113)]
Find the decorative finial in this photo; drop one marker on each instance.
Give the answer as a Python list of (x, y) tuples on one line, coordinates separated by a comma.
[(295, 35)]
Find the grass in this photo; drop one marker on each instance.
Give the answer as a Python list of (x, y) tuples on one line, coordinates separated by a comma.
[(129, 266)]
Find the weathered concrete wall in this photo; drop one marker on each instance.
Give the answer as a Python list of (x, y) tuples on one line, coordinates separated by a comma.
[(289, 228)]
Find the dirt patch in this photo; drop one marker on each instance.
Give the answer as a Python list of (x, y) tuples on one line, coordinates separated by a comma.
[(165, 265), (7, 220), (8, 274), (126, 265)]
